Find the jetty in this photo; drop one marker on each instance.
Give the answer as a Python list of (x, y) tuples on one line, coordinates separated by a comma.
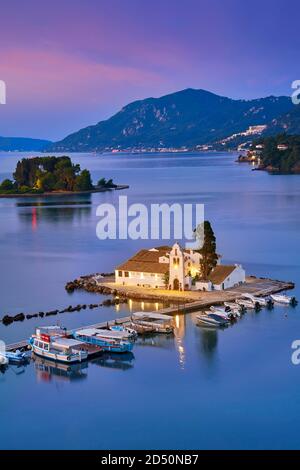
[(178, 302)]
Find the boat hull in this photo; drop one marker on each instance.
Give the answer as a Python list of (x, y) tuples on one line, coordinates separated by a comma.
[(58, 357)]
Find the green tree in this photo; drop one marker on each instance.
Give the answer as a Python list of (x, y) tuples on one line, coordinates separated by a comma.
[(102, 182), (47, 182), (209, 257), (83, 181), (7, 185)]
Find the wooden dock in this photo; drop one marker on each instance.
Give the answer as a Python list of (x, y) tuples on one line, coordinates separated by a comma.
[(200, 300)]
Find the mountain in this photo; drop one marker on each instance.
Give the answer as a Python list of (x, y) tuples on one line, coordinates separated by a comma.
[(23, 144), (288, 122), (186, 118)]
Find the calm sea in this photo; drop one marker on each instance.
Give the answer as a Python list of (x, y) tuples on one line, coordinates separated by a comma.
[(199, 389)]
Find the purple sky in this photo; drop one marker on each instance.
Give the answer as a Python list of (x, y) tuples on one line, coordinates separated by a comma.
[(71, 63)]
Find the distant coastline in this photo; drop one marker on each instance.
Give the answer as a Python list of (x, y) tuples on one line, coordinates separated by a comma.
[(117, 187)]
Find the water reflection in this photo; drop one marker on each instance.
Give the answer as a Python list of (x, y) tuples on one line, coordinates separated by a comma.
[(47, 370), (115, 361), (179, 332), (54, 215)]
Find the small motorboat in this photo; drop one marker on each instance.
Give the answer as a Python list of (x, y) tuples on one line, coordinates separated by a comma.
[(212, 319), (239, 309), (224, 312), (262, 301), (247, 303), (284, 299), (17, 357)]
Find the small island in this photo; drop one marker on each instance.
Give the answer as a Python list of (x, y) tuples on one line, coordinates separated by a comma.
[(278, 154), (52, 175)]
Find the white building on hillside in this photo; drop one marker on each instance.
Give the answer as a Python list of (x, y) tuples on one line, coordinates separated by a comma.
[(176, 269)]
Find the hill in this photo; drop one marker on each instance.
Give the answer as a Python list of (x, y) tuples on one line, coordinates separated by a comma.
[(188, 118)]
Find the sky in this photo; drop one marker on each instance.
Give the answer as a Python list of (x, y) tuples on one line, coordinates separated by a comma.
[(68, 64)]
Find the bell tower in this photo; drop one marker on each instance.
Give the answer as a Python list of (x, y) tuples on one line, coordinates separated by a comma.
[(176, 268)]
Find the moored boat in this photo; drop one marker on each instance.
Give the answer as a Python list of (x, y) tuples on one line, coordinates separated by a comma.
[(158, 322), (284, 299), (263, 301), (225, 312), (211, 319), (108, 340), (52, 343), (247, 303), (128, 333), (234, 307), (17, 357)]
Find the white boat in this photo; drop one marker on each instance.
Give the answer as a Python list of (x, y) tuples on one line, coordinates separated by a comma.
[(52, 343), (264, 302), (107, 340), (160, 323), (17, 357), (238, 309), (247, 303), (284, 299), (3, 360), (129, 333), (224, 312), (117, 332), (211, 319)]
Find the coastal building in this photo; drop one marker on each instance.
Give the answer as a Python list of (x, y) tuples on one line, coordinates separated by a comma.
[(175, 268)]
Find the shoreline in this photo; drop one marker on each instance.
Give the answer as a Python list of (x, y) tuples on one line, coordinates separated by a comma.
[(65, 193)]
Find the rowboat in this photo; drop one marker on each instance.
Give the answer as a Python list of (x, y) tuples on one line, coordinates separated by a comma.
[(52, 343), (284, 299), (107, 340)]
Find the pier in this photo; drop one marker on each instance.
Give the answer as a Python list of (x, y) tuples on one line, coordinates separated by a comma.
[(182, 302)]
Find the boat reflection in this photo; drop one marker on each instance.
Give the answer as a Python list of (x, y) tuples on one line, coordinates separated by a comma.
[(47, 370), (114, 361)]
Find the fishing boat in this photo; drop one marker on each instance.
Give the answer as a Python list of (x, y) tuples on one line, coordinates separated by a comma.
[(52, 343), (107, 340), (263, 301), (159, 322), (211, 319), (284, 299)]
